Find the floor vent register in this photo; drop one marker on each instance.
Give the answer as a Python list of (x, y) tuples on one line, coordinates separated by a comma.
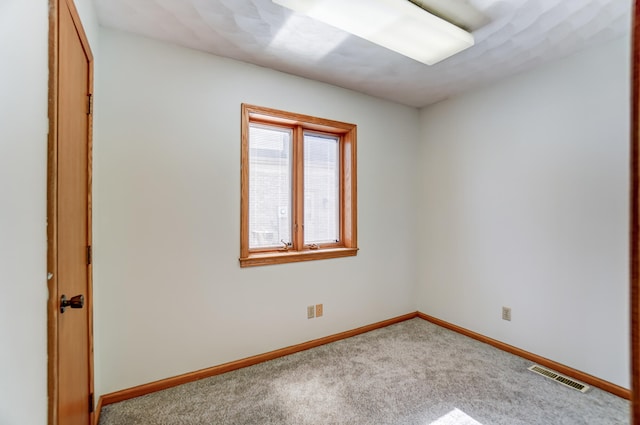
[(564, 380)]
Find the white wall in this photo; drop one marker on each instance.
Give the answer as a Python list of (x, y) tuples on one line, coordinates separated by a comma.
[(524, 203), (23, 179), (170, 295), (87, 12)]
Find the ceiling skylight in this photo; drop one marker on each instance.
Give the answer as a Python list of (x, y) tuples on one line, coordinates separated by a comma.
[(398, 25)]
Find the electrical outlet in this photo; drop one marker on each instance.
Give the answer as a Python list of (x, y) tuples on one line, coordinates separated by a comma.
[(318, 310), (311, 312), (506, 313)]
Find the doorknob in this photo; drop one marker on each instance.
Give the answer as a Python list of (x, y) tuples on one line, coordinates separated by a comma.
[(74, 302)]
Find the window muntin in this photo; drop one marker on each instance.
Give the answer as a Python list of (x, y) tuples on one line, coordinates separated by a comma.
[(317, 219)]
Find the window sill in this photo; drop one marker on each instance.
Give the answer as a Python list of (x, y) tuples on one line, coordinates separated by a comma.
[(265, 259)]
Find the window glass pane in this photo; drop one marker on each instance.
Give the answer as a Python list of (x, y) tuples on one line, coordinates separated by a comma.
[(269, 186), (321, 189)]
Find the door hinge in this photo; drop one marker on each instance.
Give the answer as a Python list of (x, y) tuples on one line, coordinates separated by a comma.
[(91, 403), (89, 255), (89, 104)]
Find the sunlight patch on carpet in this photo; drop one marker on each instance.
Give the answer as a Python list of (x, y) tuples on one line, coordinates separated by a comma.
[(455, 417)]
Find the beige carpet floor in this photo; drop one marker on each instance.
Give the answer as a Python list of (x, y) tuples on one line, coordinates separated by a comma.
[(413, 372)]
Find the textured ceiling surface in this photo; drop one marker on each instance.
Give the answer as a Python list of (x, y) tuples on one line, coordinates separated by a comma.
[(518, 35)]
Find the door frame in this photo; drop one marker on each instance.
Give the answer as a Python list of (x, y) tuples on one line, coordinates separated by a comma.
[(52, 208), (634, 222)]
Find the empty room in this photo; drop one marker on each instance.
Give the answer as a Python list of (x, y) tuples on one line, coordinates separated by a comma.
[(280, 215)]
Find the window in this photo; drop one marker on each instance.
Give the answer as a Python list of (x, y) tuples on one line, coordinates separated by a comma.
[(298, 188)]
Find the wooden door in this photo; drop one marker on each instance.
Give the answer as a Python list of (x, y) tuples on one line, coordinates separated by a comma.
[(69, 225)]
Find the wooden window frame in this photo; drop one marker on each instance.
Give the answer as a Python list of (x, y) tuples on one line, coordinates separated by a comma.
[(347, 245)]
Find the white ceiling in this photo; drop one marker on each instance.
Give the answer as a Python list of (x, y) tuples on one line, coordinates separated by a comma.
[(519, 35)]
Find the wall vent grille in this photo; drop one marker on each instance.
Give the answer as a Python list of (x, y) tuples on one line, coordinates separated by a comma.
[(564, 380)]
